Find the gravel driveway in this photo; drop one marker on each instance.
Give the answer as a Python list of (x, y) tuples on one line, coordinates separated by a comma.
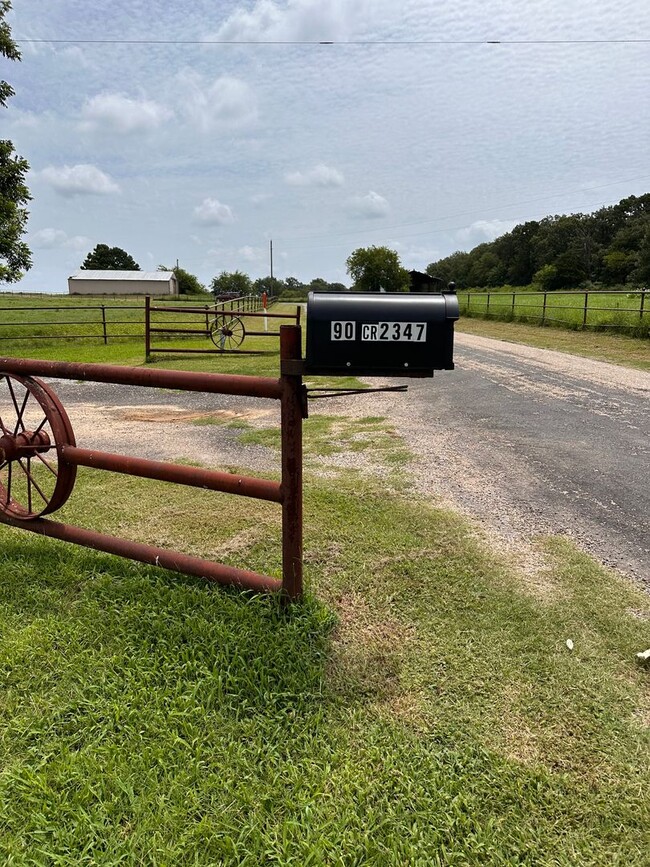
[(532, 441), (526, 441)]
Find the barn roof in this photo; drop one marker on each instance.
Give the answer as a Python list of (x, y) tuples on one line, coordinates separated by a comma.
[(154, 276)]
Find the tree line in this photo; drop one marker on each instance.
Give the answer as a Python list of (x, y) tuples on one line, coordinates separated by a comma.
[(372, 269), (610, 246)]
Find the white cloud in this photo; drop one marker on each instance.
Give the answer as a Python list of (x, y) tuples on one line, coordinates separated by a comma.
[(48, 239), (296, 20), (226, 104), (252, 254), (80, 180), (320, 176), (415, 255), (211, 212), (258, 198), (484, 230), (370, 206), (118, 113)]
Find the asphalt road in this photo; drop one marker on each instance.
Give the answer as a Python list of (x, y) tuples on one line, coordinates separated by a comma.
[(541, 441)]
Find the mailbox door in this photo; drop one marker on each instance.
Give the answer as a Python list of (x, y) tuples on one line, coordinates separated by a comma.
[(370, 334)]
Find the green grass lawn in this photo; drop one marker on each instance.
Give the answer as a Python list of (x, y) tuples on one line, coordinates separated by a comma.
[(420, 707)]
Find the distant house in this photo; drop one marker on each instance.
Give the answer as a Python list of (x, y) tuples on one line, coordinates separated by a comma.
[(123, 283), (422, 282)]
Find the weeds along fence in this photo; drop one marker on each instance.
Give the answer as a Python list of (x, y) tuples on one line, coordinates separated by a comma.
[(619, 311), (112, 320)]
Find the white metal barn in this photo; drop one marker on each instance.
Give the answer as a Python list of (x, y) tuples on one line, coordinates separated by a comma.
[(123, 283)]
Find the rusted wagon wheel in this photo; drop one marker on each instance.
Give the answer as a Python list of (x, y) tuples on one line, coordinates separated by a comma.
[(227, 332), (34, 477)]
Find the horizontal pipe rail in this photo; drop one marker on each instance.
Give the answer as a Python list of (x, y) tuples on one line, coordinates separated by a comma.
[(154, 350), (211, 312), (212, 383), (177, 331), (162, 471), (173, 560)]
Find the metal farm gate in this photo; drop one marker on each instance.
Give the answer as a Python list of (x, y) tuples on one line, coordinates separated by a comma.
[(39, 459), (226, 329)]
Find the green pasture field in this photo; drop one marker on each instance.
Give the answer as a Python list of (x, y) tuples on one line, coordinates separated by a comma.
[(563, 309), (419, 707), (24, 338), (21, 320), (59, 319)]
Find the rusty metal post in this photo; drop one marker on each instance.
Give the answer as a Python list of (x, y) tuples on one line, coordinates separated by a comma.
[(147, 327), (104, 324), (292, 403)]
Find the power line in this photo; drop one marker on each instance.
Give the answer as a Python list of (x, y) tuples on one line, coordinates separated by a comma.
[(353, 42), (285, 239)]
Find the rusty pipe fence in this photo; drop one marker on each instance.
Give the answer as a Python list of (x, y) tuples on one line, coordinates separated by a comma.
[(38, 447)]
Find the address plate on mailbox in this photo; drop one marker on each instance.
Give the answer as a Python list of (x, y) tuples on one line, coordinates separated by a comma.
[(415, 332)]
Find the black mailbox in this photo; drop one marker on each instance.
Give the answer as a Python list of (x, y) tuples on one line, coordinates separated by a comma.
[(388, 334)]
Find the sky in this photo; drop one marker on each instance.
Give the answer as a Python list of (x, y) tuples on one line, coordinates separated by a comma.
[(200, 131)]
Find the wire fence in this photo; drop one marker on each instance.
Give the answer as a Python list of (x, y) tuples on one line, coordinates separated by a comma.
[(620, 311)]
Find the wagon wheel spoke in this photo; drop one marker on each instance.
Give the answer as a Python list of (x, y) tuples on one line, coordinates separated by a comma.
[(47, 464), (15, 403), (235, 332), (8, 491), (41, 425), (19, 420), (31, 481)]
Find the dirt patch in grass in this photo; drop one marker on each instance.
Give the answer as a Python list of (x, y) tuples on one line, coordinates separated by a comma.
[(639, 613), (172, 414), (367, 650)]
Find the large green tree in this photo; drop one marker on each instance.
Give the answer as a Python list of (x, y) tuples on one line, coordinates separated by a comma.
[(105, 258), (188, 284), (231, 282), (271, 285), (561, 251), (377, 269), (15, 256)]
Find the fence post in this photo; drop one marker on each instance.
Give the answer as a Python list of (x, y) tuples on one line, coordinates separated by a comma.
[(207, 321), (643, 291), (544, 309), (291, 403), (512, 309), (584, 315), (104, 324), (487, 306), (147, 326)]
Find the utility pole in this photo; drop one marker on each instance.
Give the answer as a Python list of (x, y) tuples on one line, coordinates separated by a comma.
[(271, 255)]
